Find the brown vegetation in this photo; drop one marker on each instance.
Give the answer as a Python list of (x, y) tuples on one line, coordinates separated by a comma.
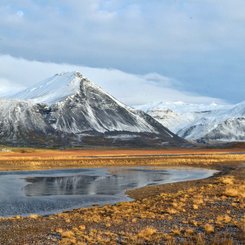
[(209, 211), (34, 159)]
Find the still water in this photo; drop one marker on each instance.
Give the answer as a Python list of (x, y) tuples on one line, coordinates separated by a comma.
[(52, 191)]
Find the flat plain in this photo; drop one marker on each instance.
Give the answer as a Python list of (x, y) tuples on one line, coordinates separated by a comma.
[(208, 211)]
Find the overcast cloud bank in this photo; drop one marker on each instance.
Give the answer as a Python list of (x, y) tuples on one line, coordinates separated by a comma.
[(132, 89)]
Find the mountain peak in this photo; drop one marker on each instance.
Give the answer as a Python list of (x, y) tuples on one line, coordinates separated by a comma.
[(55, 88)]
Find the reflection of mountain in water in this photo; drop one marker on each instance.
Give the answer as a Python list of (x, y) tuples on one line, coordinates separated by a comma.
[(68, 185), (91, 185)]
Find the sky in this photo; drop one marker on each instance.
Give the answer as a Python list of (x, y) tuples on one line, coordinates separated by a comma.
[(139, 50)]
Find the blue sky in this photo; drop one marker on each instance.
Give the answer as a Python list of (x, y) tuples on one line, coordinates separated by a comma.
[(198, 45)]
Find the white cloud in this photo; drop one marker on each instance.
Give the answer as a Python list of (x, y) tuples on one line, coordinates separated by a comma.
[(131, 89)]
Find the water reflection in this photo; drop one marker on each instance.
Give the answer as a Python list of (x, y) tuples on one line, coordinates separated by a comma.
[(115, 182), (68, 185)]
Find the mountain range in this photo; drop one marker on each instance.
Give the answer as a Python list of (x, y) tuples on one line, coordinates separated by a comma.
[(69, 110), (201, 123)]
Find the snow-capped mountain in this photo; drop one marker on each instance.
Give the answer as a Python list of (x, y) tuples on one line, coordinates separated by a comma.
[(68, 110), (201, 123)]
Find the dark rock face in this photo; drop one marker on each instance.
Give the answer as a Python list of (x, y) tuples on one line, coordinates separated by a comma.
[(88, 117)]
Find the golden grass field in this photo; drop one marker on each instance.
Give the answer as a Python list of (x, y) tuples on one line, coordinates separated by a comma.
[(33, 159), (209, 211)]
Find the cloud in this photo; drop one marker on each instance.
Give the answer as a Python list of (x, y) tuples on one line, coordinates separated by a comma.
[(132, 89), (109, 33), (198, 42)]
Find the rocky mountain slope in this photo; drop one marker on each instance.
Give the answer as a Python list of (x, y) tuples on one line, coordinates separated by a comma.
[(69, 110), (201, 123)]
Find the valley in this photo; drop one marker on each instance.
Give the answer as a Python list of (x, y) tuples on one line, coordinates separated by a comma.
[(122, 122), (84, 168)]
